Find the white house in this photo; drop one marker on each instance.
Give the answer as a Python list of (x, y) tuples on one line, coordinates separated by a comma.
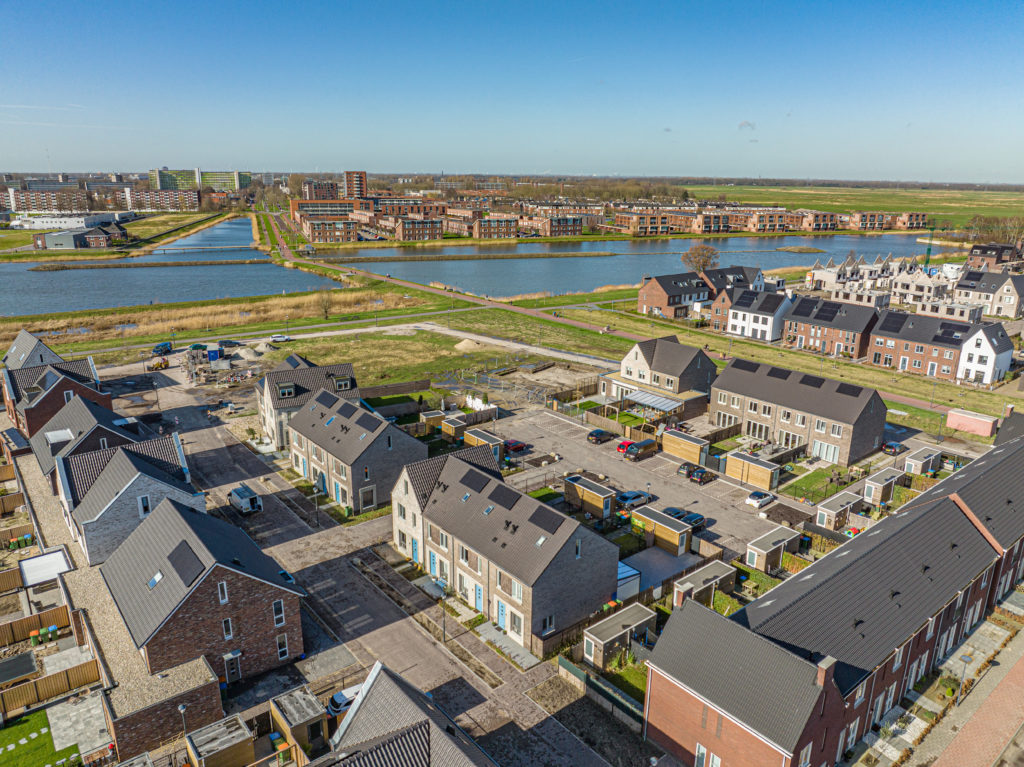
[(758, 314), (986, 355)]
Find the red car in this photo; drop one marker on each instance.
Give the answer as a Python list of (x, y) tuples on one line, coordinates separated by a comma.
[(514, 446), (624, 445)]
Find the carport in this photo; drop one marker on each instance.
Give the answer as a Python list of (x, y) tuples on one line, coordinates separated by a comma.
[(17, 669), (651, 401), (629, 582)]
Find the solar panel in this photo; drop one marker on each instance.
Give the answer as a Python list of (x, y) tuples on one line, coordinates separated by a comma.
[(347, 409), (185, 563), (849, 389), (291, 362), (771, 302), (779, 373), (814, 381), (326, 399), (892, 323), (504, 496), (745, 365), (367, 421), (745, 299), (953, 326), (546, 519), (804, 307), (827, 313), (474, 480)]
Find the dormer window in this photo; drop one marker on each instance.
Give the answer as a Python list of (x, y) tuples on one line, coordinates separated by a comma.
[(342, 384), (286, 390)]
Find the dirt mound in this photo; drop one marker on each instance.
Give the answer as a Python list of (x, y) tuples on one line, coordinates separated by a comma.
[(469, 345), (263, 347)]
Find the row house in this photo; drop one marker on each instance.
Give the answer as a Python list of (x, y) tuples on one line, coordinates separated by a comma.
[(34, 395), (999, 294), (533, 571), (402, 207), (188, 585), (662, 366), (993, 256), (939, 348), (351, 455), (837, 422), (328, 229), (640, 223), (829, 327), (493, 227), (876, 299), (857, 273), (917, 287), (840, 645), (970, 313), (770, 220), (552, 226), (756, 314)]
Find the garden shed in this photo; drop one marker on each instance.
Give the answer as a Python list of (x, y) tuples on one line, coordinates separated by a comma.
[(685, 446), (765, 553), (604, 640), (701, 584), (661, 530), (834, 512), (475, 437), (879, 486), (923, 461), (751, 470), (588, 496)]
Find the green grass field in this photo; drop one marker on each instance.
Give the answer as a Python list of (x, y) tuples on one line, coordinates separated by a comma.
[(35, 752), (954, 206), (161, 222), (816, 485), (632, 680), (579, 298), (18, 238)]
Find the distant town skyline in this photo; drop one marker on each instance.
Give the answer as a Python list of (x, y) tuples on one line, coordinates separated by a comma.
[(726, 89)]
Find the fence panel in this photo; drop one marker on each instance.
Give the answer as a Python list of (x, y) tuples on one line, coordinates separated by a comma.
[(10, 503), (19, 630), (10, 579), (18, 696), (83, 674), (11, 533), (6, 472), (52, 685)]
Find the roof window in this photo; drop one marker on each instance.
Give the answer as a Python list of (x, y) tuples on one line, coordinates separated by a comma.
[(155, 579)]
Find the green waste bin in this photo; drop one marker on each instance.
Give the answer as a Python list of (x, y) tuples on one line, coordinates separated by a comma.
[(44, 635)]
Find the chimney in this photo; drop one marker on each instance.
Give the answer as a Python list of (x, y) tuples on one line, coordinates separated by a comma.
[(826, 670)]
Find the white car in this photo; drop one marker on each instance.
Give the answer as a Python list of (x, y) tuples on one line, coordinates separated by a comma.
[(279, 338), (759, 498), (342, 701)]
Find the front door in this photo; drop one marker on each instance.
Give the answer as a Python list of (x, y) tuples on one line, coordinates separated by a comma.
[(433, 564), (367, 498), (932, 367), (478, 598), (415, 551), (606, 509), (501, 615), (904, 361), (232, 668)]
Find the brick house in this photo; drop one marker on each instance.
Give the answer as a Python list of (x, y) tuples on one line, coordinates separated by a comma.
[(105, 494), (829, 327), (663, 366), (671, 295), (353, 456), (992, 256), (189, 585), (815, 221), (282, 392), (826, 655), (553, 226), (998, 293), (506, 554), (838, 422), (34, 395)]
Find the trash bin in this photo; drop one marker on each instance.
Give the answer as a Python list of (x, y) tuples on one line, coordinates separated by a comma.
[(33, 637), (44, 635), (54, 633)]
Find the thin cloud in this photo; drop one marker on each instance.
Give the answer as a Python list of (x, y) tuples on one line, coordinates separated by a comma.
[(62, 108), (747, 125)]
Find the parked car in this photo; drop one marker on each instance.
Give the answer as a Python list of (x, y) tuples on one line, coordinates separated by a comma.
[(703, 476), (893, 448), (227, 343), (696, 521), (674, 512), (624, 445), (687, 469), (161, 349), (643, 449), (279, 338), (197, 347), (514, 446), (342, 701), (600, 436), (759, 498), (631, 499)]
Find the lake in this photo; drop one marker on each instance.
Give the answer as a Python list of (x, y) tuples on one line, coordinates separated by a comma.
[(634, 258)]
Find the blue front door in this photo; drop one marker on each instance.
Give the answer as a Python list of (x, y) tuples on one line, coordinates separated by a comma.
[(433, 563), (501, 615), (337, 492), (479, 599), (304, 473), (415, 551)]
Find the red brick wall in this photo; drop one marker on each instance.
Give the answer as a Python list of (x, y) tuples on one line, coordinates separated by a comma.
[(652, 294), (146, 729), (42, 411), (197, 627)]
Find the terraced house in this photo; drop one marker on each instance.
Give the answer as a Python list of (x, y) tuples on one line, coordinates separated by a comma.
[(829, 327), (802, 674), (532, 570), (350, 454), (33, 395), (838, 422)]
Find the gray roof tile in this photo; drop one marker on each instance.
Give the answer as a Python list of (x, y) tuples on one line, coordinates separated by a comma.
[(29, 351), (832, 314), (77, 419), (121, 469), (308, 379), (82, 469), (27, 382), (423, 474)]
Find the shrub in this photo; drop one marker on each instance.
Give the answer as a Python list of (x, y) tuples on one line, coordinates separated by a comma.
[(885, 733)]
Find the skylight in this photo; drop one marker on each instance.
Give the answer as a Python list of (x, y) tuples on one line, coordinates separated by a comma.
[(156, 579), (541, 540), (465, 497), (489, 509)]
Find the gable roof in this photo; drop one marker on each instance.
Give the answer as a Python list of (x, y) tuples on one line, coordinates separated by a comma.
[(831, 314), (807, 393), (674, 284), (923, 328), (393, 724), (183, 546), (1011, 428), (29, 382), (767, 688), (72, 423), (666, 355), (29, 351), (731, 277), (81, 470), (423, 474), (120, 470), (307, 379), (765, 302), (997, 336), (989, 282)]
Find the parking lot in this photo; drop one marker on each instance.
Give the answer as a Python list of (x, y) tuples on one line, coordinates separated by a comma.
[(730, 522)]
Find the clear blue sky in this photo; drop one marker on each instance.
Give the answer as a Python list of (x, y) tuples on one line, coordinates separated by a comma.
[(888, 90)]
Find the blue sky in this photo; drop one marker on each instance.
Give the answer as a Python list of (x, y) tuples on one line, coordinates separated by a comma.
[(889, 90)]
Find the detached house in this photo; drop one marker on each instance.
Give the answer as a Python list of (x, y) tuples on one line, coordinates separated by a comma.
[(992, 256), (532, 570), (829, 327), (349, 453), (802, 674), (838, 422), (106, 494), (999, 294), (189, 585), (282, 392), (33, 395), (662, 372)]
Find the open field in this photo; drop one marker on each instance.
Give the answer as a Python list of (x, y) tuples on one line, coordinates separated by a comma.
[(18, 238), (610, 293), (953, 206), (161, 222)]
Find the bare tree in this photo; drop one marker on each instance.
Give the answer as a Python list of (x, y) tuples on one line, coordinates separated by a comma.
[(324, 300), (295, 184), (700, 257)]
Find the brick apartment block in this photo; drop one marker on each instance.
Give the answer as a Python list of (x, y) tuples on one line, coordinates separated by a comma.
[(329, 229), (553, 226), (326, 207)]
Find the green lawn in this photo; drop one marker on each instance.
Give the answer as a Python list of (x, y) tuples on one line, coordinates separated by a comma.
[(629, 419), (545, 495), (161, 222), (394, 399), (764, 581), (619, 294), (900, 496), (816, 485), (37, 751), (725, 604), (18, 238), (632, 680), (629, 544)]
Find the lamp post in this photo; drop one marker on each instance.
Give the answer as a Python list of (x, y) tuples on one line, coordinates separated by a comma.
[(286, 324), (966, 659), (316, 506), (181, 710)]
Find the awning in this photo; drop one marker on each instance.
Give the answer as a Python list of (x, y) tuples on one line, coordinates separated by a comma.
[(654, 401), (43, 568)]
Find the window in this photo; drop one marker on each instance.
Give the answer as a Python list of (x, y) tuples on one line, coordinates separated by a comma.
[(670, 382), (405, 486), (144, 508), (282, 646), (401, 539), (366, 472), (766, 410), (516, 624), (858, 698), (819, 425), (734, 401), (919, 349), (278, 612), (67, 396), (547, 625), (222, 592), (227, 628), (805, 756), (159, 576), (442, 540), (897, 660), (785, 415), (801, 420), (752, 407), (931, 628), (837, 430), (463, 554), (722, 397), (579, 548), (389, 442), (103, 443), (341, 470), (401, 510), (949, 354), (751, 558)]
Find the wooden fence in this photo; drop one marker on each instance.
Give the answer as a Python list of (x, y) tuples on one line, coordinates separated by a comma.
[(392, 389), (10, 533), (49, 686), (584, 388), (10, 503), (6, 472), (19, 630), (10, 580)]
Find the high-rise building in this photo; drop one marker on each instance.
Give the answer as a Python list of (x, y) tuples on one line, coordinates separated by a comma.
[(220, 180), (354, 183)]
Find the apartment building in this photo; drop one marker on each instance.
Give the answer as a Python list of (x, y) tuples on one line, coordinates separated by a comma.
[(161, 199), (530, 569), (939, 348), (998, 293), (756, 314), (852, 294), (870, 220), (662, 366), (918, 287), (910, 221), (408, 206), (318, 189), (829, 327), (495, 226), (353, 183), (838, 422), (641, 223), (839, 646), (326, 207), (405, 229), (195, 178), (815, 220), (350, 454), (328, 229), (553, 226), (992, 256), (759, 220), (41, 201)]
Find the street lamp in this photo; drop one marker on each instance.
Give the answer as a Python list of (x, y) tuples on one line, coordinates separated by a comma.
[(181, 710), (286, 324), (966, 659), (316, 506), (173, 334)]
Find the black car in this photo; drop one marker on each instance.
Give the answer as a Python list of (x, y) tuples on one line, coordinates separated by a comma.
[(695, 521), (674, 512), (703, 476), (687, 469), (893, 448), (228, 343), (600, 436)]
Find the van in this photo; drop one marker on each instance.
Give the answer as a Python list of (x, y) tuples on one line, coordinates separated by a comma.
[(161, 349), (640, 450), (245, 499)]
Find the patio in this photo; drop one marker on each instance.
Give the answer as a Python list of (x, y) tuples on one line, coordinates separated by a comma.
[(491, 633)]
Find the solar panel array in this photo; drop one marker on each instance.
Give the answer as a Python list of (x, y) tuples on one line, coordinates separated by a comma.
[(185, 563), (804, 307), (504, 496), (892, 323), (474, 480), (828, 311), (745, 365), (745, 299), (347, 410), (849, 389), (326, 399), (546, 519), (368, 422), (781, 373), (771, 302), (814, 381)]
